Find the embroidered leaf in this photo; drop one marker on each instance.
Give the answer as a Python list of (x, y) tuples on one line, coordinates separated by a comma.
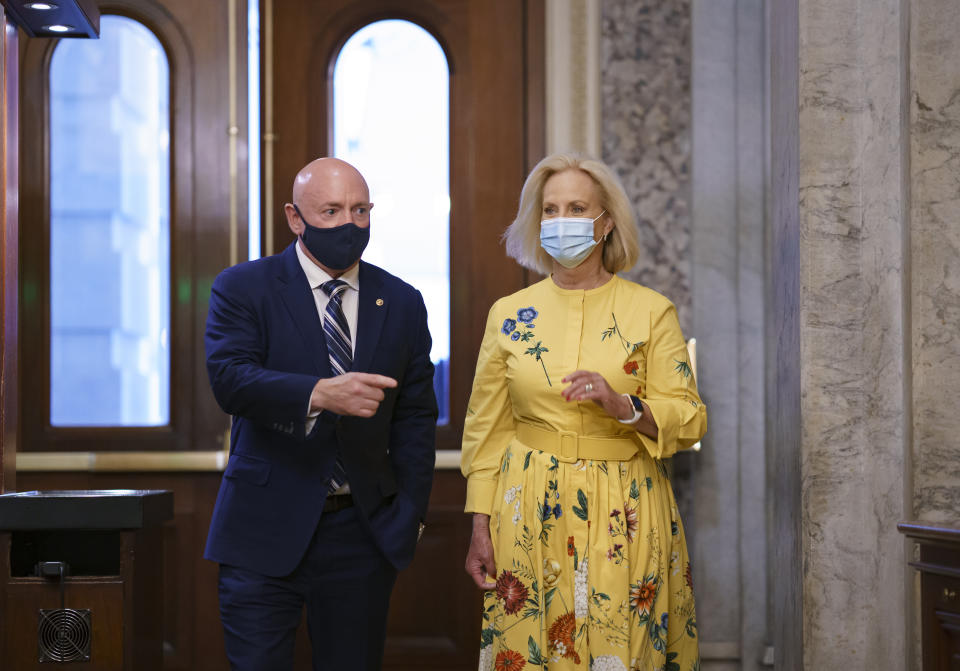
[(526, 335), (599, 595), (486, 636), (535, 657), (554, 464), (526, 460), (534, 598), (548, 598), (581, 512), (545, 533), (576, 556), (636, 347), (537, 349), (671, 665), (634, 490), (691, 628), (683, 368), (649, 484)]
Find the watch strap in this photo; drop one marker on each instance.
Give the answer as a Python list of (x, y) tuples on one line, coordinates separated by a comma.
[(637, 410)]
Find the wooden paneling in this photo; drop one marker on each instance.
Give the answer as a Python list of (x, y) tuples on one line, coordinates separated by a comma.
[(124, 618), (195, 38), (9, 249), (435, 609)]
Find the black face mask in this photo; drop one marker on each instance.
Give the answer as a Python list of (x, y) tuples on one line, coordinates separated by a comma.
[(337, 248)]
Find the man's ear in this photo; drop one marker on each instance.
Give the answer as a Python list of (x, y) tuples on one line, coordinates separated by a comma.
[(293, 219)]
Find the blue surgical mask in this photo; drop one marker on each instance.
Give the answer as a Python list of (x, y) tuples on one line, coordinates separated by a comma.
[(569, 240)]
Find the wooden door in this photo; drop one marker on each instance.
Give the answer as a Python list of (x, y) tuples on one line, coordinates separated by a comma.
[(494, 50), (496, 135), (207, 130)]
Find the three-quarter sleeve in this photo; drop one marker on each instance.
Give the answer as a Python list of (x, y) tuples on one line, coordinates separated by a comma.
[(489, 426), (671, 390)]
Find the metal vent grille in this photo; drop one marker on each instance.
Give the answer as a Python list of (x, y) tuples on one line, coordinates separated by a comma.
[(64, 635)]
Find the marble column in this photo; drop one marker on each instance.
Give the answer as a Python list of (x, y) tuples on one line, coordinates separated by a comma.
[(728, 218), (854, 377), (935, 242)]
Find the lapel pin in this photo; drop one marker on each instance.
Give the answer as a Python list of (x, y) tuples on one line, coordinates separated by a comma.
[(379, 301)]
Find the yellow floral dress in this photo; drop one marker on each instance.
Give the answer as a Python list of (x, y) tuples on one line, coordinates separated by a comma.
[(592, 565)]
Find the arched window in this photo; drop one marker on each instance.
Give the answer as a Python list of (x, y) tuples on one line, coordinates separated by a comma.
[(110, 229), (391, 111)]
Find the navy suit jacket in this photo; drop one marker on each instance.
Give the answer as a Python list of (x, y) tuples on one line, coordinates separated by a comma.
[(265, 352)]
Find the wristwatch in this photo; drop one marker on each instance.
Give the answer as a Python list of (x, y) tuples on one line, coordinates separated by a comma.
[(637, 409)]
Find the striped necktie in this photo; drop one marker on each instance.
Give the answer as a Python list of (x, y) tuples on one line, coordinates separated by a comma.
[(336, 330)]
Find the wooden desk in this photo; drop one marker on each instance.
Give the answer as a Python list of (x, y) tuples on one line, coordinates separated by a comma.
[(939, 567)]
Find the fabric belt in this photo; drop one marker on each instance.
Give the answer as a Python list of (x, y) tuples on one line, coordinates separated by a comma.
[(337, 502), (569, 447)]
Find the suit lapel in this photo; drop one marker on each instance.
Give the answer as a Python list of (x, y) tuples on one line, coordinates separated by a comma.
[(298, 298), (373, 304)]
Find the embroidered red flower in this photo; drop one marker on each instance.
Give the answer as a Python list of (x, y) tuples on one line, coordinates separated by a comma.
[(639, 391), (560, 637), (509, 660), (633, 521), (631, 367), (570, 547), (512, 592), (688, 574)]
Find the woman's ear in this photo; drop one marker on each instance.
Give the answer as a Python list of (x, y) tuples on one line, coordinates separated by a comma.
[(608, 225)]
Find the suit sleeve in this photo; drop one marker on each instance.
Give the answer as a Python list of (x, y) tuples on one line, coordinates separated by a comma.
[(671, 390), (235, 342), (489, 426), (413, 426)]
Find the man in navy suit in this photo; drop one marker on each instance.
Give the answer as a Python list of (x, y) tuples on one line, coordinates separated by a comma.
[(324, 362)]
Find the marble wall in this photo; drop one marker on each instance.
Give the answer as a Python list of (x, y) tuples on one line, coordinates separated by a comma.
[(935, 245), (728, 218), (645, 88), (854, 377)]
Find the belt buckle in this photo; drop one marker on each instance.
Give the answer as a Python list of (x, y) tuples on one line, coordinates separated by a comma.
[(568, 446)]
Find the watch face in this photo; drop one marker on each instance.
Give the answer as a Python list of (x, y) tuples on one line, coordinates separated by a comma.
[(637, 405)]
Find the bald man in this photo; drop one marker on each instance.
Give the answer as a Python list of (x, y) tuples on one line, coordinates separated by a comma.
[(324, 363)]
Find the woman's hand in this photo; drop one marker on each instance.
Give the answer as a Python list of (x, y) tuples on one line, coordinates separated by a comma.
[(586, 385), (480, 562)]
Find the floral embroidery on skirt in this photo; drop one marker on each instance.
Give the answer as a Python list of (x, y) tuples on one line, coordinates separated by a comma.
[(591, 574)]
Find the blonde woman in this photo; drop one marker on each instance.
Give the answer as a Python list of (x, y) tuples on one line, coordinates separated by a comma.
[(582, 388)]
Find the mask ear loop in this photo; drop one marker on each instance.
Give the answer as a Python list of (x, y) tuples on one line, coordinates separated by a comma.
[(598, 216)]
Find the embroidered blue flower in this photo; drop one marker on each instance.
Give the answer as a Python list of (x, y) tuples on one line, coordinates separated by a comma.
[(663, 621), (509, 325), (557, 512), (546, 510), (527, 315), (515, 335)]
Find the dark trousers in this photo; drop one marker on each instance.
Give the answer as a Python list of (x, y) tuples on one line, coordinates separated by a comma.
[(345, 583)]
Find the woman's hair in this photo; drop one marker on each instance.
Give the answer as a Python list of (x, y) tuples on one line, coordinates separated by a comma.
[(522, 237)]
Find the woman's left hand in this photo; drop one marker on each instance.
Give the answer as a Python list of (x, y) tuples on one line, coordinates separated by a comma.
[(587, 385)]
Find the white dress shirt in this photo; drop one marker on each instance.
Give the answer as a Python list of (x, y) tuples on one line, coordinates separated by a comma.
[(316, 276)]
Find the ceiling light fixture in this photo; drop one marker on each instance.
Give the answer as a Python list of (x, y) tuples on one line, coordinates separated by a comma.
[(58, 28), (40, 6)]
